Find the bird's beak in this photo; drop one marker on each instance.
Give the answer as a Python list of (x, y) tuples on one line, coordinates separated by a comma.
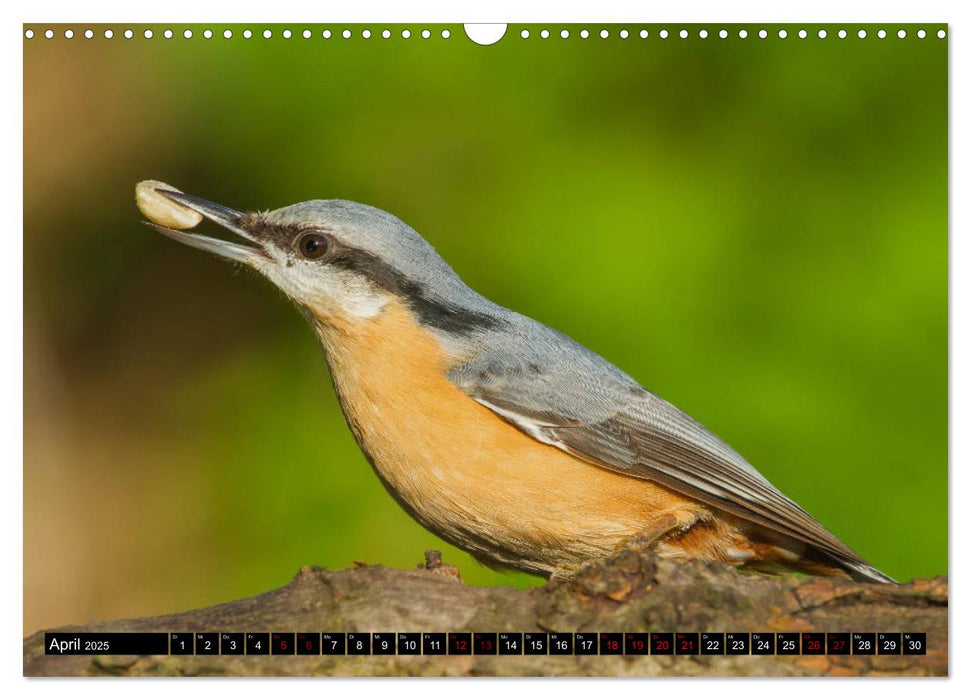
[(225, 217)]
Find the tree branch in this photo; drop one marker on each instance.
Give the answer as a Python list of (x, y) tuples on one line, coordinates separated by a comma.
[(632, 592)]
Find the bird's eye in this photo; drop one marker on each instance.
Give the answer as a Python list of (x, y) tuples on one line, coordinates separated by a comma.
[(312, 245)]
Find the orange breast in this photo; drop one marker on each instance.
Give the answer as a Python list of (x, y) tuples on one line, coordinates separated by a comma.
[(465, 473)]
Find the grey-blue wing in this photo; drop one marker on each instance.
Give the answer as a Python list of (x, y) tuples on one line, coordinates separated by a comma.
[(563, 394)]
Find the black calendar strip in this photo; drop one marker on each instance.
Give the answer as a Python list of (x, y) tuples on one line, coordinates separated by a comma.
[(487, 643)]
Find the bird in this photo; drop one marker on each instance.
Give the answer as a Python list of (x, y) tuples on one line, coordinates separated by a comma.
[(497, 433)]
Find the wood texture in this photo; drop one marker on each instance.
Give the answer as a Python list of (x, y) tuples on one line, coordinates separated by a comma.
[(633, 591)]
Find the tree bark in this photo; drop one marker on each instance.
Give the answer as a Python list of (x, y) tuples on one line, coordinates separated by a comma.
[(632, 592)]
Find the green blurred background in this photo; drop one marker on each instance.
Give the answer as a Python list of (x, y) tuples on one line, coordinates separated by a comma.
[(754, 229)]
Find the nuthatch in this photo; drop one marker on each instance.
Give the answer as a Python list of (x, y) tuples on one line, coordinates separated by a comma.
[(499, 434)]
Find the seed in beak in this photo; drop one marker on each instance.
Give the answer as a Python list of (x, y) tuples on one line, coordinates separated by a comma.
[(161, 210)]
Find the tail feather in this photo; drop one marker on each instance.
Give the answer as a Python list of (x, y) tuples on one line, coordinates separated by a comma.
[(856, 569), (777, 550), (861, 571)]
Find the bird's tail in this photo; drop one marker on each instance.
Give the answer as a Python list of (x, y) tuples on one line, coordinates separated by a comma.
[(859, 570), (828, 564)]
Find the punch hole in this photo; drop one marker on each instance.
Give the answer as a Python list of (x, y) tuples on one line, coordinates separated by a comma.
[(130, 34), (307, 34), (545, 34), (227, 34), (683, 34), (346, 34), (207, 34), (663, 34), (167, 34), (841, 33), (524, 34), (803, 34), (49, 34), (624, 34), (88, 34), (188, 33), (446, 34), (287, 34), (584, 34), (68, 34), (941, 34), (723, 34), (604, 33), (386, 34), (366, 34), (763, 34), (644, 34), (247, 34), (406, 34), (703, 34), (109, 34), (325, 34), (564, 34), (882, 34), (149, 33), (485, 34), (861, 33), (29, 34), (783, 33), (267, 33), (742, 34), (921, 34), (821, 33), (901, 34)]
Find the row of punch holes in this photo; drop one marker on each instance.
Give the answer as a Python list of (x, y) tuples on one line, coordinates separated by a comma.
[(486, 38)]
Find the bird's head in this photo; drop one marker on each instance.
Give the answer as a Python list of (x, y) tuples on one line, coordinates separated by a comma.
[(342, 261)]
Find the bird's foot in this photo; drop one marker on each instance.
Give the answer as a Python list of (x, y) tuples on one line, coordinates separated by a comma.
[(433, 563)]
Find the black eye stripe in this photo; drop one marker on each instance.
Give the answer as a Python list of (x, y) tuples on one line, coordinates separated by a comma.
[(432, 311)]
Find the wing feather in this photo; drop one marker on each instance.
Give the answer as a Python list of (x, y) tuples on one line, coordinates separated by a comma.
[(563, 394)]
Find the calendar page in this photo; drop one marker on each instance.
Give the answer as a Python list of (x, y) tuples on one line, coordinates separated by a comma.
[(524, 349)]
